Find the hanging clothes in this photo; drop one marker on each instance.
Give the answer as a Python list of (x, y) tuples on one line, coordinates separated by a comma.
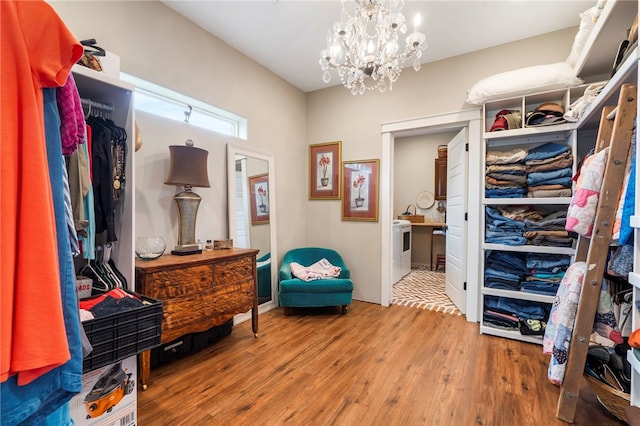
[(34, 402), (102, 166), (29, 251), (38, 51), (86, 220), (72, 125)]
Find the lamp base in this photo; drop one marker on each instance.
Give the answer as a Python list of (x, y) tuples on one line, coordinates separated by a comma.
[(185, 250)]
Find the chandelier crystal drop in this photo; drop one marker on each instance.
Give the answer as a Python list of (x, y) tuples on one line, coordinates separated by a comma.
[(364, 49)]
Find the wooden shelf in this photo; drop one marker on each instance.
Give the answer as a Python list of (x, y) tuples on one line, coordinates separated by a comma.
[(429, 224)]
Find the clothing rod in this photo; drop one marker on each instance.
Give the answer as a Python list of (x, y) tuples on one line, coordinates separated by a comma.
[(94, 104)]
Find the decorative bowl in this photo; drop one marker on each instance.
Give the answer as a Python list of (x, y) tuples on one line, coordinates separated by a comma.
[(148, 248)]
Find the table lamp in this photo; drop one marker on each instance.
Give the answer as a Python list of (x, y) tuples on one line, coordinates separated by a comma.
[(188, 168)]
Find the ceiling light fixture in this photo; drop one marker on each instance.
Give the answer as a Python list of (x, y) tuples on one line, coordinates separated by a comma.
[(364, 48)]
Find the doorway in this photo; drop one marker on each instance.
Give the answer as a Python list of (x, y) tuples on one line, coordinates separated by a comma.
[(417, 187), (471, 120)]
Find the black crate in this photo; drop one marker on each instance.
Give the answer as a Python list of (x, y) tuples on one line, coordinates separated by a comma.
[(206, 338), (120, 335)]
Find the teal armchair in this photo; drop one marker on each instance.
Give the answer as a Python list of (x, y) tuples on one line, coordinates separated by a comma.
[(294, 292)]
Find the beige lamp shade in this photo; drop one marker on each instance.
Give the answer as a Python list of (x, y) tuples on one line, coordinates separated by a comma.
[(187, 166)]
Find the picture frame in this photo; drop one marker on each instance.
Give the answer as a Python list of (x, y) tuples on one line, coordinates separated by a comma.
[(259, 200), (361, 182), (324, 171)]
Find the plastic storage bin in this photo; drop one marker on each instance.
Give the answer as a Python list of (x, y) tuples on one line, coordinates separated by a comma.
[(119, 335)]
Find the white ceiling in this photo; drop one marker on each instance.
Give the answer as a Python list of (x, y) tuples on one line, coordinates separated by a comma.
[(287, 36)]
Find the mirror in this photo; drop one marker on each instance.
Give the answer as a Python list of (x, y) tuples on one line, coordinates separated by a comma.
[(252, 214)]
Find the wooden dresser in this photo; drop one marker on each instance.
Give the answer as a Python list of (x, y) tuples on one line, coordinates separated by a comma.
[(198, 292)]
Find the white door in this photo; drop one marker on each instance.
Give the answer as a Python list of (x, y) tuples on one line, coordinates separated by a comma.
[(456, 235)]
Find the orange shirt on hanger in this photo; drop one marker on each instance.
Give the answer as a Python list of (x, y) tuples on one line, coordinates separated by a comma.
[(36, 50)]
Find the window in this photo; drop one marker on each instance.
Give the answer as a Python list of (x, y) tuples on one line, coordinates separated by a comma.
[(166, 103)]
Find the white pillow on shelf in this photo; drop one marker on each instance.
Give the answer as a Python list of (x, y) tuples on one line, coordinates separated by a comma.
[(587, 22), (523, 81)]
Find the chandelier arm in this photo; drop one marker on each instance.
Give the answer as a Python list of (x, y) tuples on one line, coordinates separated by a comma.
[(364, 59)]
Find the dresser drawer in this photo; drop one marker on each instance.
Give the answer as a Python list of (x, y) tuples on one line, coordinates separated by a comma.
[(174, 283), (200, 312), (234, 270)]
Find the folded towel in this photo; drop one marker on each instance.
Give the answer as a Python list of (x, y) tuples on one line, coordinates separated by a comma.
[(319, 270)]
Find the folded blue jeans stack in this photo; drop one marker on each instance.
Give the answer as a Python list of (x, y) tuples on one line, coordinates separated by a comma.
[(513, 314), (539, 273), (549, 171), (545, 272), (502, 230), (543, 171), (549, 231), (505, 175), (504, 270)]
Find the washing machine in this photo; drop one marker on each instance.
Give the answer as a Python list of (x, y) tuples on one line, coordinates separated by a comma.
[(401, 250)]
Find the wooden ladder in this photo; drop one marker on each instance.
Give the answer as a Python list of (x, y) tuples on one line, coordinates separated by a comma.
[(615, 133)]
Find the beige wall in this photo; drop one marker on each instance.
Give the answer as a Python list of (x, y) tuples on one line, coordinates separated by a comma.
[(159, 45), (438, 88)]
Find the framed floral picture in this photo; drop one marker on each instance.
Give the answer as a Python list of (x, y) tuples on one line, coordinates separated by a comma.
[(360, 181), (259, 201), (324, 171)]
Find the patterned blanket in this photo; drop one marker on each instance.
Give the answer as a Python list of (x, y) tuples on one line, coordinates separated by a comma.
[(557, 337), (319, 270)]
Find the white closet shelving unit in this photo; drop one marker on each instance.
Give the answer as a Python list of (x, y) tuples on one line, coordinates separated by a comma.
[(110, 91), (604, 39), (107, 90), (525, 137)]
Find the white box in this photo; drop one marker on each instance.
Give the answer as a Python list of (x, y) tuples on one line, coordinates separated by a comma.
[(113, 401)]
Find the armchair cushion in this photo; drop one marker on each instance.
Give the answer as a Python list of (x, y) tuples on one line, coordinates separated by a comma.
[(294, 292)]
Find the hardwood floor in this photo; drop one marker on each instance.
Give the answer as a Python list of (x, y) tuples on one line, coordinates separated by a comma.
[(372, 366)]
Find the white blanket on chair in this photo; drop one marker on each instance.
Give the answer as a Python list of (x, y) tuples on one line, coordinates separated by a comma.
[(321, 269)]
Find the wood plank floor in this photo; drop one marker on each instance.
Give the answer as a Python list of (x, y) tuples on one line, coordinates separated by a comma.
[(372, 366)]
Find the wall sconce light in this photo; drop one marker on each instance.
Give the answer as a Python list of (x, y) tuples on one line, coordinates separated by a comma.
[(188, 168)]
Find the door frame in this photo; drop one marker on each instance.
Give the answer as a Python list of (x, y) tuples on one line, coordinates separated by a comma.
[(472, 119)]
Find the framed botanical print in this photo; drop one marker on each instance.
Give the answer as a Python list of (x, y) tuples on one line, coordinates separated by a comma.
[(360, 185), (259, 200), (324, 171)]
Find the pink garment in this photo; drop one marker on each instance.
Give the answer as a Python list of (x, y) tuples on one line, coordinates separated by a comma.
[(72, 124), (582, 211), (319, 270)]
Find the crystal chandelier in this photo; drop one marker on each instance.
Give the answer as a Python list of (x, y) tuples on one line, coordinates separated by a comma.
[(364, 48)]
